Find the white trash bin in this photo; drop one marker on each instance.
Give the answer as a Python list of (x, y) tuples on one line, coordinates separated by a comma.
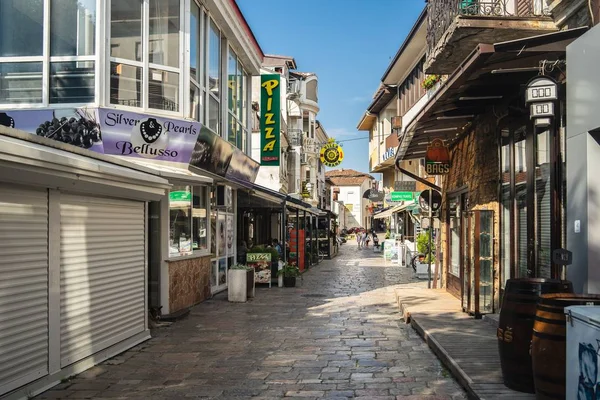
[(583, 346)]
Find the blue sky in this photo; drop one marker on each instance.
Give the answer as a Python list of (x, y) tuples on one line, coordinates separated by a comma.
[(347, 43)]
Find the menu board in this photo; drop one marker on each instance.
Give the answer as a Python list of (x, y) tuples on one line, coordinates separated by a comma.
[(261, 262)]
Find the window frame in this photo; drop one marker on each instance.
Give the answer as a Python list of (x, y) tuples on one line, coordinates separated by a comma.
[(146, 65), (237, 114), (46, 59), (198, 252)]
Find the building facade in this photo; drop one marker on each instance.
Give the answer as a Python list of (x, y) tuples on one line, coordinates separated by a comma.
[(349, 188), (507, 175), (164, 85), (400, 96)]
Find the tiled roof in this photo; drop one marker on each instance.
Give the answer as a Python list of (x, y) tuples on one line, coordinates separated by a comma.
[(347, 177)]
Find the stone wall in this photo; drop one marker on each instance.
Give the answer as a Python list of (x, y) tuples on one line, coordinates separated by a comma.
[(189, 282), (475, 169)]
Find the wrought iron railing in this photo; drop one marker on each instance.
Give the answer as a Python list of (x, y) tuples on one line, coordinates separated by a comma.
[(441, 13)]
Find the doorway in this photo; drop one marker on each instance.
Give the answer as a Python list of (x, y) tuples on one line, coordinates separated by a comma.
[(529, 191), (457, 223)]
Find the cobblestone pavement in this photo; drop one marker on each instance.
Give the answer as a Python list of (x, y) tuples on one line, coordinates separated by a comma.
[(337, 335)]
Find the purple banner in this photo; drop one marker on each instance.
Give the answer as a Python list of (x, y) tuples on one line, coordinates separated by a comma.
[(137, 135), (77, 127)]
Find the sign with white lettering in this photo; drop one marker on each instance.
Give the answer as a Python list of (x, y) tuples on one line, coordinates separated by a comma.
[(437, 158), (405, 186), (389, 153)]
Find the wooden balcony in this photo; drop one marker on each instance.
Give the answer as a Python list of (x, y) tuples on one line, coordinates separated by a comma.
[(456, 27)]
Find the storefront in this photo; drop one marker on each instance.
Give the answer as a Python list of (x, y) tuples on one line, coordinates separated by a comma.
[(74, 264), (128, 79), (503, 196)]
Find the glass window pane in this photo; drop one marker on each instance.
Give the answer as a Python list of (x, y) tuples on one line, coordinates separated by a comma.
[(241, 139), (214, 60), (242, 95), (125, 85), (232, 81), (454, 237), (180, 212), (542, 201), (195, 43), (77, 37), (163, 90), (164, 32), (521, 202), (200, 218), (20, 83), (194, 102), (21, 28), (231, 129), (213, 114), (126, 29), (72, 82), (505, 209)]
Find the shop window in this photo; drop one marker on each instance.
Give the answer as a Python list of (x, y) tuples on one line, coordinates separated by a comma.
[(200, 218), (188, 220), (454, 216), (72, 56), (131, 48)]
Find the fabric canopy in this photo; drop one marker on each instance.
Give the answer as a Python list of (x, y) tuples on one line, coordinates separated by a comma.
[(388, 213)]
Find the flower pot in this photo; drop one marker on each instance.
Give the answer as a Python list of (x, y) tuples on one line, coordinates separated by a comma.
[(236, 285), (250, 283), (289, 281)]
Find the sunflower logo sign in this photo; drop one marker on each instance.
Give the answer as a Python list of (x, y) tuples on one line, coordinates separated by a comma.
[(332, 154)]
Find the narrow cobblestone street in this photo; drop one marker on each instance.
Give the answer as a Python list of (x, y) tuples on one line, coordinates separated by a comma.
[(337, 335)]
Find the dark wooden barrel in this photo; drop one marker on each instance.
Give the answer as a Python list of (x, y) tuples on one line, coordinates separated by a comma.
[(515, 327), (548, 344)]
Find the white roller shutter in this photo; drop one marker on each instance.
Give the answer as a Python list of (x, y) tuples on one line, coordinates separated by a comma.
[(23, 286), (102, 274)]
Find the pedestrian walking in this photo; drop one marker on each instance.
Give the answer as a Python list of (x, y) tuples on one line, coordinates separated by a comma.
[(359, 238), (367, 239)]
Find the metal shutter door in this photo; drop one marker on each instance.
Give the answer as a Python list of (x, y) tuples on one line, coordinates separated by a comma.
[(23, 286), (101, 274)]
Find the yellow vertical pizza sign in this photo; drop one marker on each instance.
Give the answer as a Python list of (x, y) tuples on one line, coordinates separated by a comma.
[(331, 154)]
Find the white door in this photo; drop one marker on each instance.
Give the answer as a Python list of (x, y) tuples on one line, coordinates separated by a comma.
[(23, 285), (102, 274)]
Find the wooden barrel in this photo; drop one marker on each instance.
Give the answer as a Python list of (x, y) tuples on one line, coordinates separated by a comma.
[(548, 345), (515, 327)]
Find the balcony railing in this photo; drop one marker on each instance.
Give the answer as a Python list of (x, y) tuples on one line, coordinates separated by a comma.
[(441, 13)]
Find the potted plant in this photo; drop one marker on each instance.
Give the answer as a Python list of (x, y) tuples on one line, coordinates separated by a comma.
[(430, 81), (240, 280), (422, 262), (289, 272)]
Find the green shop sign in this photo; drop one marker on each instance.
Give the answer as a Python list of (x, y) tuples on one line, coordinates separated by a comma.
[(181, 195), (402, 196), (270, 120)]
